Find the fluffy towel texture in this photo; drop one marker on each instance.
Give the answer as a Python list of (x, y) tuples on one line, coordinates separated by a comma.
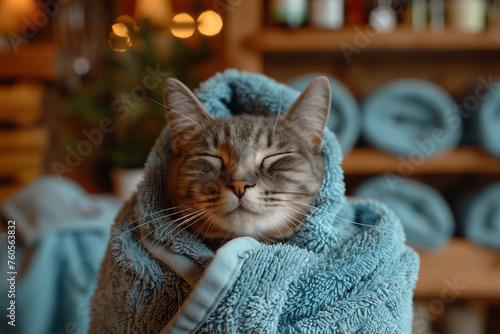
[(480, 218), (426, 216), (412, 118), (333, 276), (345, 116), (61, 234), (487, 123)]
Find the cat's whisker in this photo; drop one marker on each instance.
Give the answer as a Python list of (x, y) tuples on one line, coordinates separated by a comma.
[(211, 225), (305, 214), (177, 130), (156, 241), (291, 222), (197, 216), (125, 226), (281, 234), (279, 111), (173, 74), (177, 112), (297, 120), (340, 218), (323, 197), (136, 243), (300, 222), (228, 235), (196, 232)]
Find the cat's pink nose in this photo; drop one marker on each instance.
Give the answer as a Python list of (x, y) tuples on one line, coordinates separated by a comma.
[(239, 187)]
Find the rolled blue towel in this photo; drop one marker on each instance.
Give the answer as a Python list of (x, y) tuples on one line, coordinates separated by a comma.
[(340, 273), (345, 117), (61, 236), (480, 218), (426, 216), (488, 122), (411, 117)]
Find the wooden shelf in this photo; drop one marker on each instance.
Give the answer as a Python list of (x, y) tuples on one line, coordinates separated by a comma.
[(462, 160), (24, 138), (460, 270), (34, 60), (309, 39)]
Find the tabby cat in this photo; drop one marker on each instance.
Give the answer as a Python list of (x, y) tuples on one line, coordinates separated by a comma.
[(246, 175)]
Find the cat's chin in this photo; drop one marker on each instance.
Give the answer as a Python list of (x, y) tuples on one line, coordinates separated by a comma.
[(243, 223)]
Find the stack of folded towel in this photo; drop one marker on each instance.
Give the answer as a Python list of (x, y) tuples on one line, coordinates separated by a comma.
[(426, 216), (412, 118)]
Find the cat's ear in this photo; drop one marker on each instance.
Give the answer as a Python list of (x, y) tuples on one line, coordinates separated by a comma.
[(311, 109), (184, 112)]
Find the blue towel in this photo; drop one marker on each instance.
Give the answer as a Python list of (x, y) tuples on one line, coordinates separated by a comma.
[(487, 125), (426, 216), (345, 117), (341, 272), (480, 217), (61, 234), (413, 118)]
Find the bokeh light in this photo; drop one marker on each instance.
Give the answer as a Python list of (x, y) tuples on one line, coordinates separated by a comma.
[(129, 23), (119, 43), (122, 30), (182, 25), (81, 65), (209, 23)]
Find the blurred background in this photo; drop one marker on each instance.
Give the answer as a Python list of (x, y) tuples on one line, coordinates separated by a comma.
[(416, 108)]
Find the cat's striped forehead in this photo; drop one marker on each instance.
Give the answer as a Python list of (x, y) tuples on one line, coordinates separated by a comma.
[(245, 137)]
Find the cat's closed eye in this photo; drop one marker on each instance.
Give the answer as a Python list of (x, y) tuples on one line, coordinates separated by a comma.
[(285, 157), (212, 159)]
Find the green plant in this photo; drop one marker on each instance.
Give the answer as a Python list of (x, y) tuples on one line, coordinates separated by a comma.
[(137, 129)]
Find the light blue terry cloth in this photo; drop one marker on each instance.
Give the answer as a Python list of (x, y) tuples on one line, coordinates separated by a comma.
[(487, 125), (341, 272), (345, 117), (411, 117), (61, 234), (480, 217), (426, 216)]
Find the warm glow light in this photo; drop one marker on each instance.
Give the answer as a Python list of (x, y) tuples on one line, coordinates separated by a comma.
[(120, 29), (119, 43), (120, 38), (14, 13), (158, 12), (127, 22), (209, 23), (182, 25)]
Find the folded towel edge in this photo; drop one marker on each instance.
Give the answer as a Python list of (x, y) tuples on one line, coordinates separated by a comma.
[(212, 287)]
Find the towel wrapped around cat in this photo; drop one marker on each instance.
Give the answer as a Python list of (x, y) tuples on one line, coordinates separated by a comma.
[(345, 269)]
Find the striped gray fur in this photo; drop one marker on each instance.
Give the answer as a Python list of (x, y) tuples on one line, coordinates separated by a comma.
[(247, 172)]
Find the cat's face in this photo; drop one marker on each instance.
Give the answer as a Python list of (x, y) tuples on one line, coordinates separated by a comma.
[(246, 175)]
